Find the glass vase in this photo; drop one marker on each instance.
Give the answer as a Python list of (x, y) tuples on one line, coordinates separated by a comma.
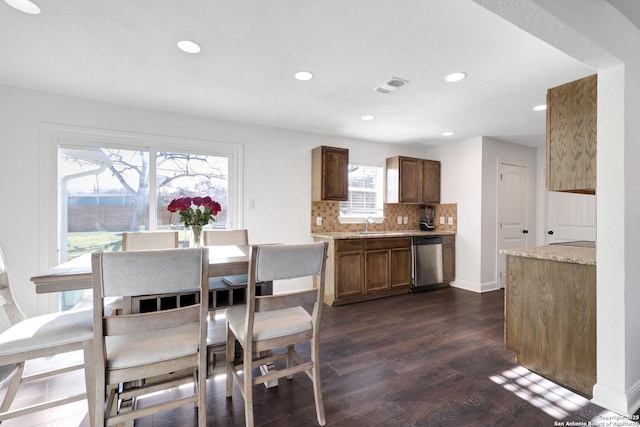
[(196, 236)]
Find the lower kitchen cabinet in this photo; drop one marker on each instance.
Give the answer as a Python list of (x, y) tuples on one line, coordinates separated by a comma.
[(349, 267), (400, 270), (387, 264), (448, 258), (361, 269), (376, 277)]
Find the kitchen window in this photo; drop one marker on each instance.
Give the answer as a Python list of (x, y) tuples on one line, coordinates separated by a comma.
[(365, 194)]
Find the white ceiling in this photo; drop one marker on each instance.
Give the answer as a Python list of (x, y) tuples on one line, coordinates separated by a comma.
[(124, 52)]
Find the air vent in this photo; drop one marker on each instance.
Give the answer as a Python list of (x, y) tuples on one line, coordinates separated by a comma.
[(391, 85)]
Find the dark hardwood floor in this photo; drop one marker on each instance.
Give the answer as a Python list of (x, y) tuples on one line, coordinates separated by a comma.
[(434, 358)]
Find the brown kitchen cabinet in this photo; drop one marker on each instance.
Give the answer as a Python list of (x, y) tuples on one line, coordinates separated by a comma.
[(448, 258), (430, 181), (412, 180), (400, 270), (329, 174), (387, 264), (349, 268), (571, 136), (367, 268)]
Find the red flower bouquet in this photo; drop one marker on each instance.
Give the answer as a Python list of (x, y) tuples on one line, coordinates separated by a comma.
[(195, 210)]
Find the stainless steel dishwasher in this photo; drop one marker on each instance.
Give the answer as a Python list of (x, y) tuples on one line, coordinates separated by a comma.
[(427, 262)]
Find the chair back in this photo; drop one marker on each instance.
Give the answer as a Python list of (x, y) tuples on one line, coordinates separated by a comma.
[(168, 271), (145, 240), (278, 262), (13, 311), (226, 237)]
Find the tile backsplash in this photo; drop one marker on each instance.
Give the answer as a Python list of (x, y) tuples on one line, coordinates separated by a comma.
[(329, 212)]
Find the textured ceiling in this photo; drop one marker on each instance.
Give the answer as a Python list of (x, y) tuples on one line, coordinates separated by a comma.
[(629, 8), (125, 52)]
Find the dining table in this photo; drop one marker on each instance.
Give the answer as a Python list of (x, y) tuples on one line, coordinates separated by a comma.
[(227, 260)]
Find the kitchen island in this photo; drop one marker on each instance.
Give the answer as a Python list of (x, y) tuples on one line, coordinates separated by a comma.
[(550, 312)]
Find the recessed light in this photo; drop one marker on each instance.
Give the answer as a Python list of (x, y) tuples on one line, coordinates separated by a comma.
[(540, 107), (188, 46), (455, 77), (24, 6), (449, 133), (304, 75), (368, 117)]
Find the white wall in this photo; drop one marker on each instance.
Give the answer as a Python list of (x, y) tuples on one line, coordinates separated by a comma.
[(461, 178), (277, 172), (470, 179)]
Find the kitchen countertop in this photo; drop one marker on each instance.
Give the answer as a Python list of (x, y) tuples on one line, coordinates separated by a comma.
[(337, 235), (557, 252)]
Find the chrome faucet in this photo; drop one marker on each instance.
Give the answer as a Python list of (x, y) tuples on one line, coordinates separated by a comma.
[(367, 221)]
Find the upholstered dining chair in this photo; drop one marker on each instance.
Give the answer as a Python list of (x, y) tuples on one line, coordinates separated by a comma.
[(226, 237), (144, 240), (133, 241), (139, 353), (36, 337), (278, 321)]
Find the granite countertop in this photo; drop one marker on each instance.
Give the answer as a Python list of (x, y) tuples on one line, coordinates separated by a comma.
[(557, 252), (379, 234)]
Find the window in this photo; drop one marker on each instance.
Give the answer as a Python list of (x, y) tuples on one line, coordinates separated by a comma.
[(106, 182), (365, 192), (105, 191)]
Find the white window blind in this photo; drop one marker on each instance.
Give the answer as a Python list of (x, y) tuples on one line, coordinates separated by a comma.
[(365, 191)]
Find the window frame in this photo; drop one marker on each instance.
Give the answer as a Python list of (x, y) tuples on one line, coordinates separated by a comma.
[(358, 218), (54, 136)]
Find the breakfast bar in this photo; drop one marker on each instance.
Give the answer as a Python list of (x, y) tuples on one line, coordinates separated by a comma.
[(550, 312)]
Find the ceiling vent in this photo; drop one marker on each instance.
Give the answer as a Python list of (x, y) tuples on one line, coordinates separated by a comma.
[(391, 85)]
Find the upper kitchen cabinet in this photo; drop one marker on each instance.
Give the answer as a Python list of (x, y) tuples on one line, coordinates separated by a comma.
[(430, 181), (329, 174), (411, 180), (571, 136)]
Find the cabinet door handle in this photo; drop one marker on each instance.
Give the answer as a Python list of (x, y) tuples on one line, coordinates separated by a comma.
[(525, 231), (550, 232)]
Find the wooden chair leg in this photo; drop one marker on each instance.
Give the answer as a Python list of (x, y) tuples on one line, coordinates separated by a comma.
[(290, 359), (230, 352), (248, 386), (14, 384), (196, 385), (90, 381), (202, 397), (317, 388)]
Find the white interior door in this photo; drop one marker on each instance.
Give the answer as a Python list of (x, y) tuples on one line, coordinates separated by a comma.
[(512, 213), (570, 216)]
